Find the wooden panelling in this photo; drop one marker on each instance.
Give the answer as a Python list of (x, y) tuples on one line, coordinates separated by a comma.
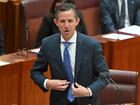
[(31, 93), (10, 23), (10, 84), (126, 54)]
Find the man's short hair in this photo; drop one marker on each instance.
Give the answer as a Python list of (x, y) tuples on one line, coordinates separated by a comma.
[(66, 7)]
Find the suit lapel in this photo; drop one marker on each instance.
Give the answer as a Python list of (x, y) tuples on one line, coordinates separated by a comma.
[(58, 56), (79, 55)]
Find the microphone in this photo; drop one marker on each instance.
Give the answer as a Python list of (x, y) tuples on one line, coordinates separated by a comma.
[(106, 76)]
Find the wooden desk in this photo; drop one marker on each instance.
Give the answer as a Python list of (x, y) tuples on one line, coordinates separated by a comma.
[(31, 94), (11, 79), (10, 84), (121, 54), (19, 89)]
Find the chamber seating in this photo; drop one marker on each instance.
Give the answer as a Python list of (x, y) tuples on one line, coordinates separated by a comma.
[(127, 82), (91, 15), (32, 12)]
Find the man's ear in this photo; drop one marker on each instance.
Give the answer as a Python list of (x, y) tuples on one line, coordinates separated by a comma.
[(55, 21), (78, 20)]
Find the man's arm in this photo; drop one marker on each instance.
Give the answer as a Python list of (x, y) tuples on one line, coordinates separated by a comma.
[(100, 65)]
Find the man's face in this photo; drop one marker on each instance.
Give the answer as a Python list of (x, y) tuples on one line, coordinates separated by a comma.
[(67, 22)]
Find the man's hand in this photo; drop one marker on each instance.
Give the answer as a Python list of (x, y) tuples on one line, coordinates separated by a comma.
[(56, 84), (79, 91)]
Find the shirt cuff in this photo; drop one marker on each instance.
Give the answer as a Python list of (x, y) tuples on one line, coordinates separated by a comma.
[(90, 92), (45, 82)]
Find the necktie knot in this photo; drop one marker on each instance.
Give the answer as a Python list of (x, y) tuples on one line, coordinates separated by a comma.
[(67, 44)]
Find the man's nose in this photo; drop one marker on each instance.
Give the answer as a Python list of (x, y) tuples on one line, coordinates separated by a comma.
[(66, 24)]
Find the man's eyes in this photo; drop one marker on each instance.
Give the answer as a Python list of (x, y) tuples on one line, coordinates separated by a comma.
[(64, 21), (70, 21)]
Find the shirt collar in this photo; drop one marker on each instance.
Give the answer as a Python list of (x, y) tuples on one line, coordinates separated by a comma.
[(72, 39)]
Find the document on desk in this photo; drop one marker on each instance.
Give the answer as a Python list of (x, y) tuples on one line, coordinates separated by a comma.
[(4, 1), (3, 63), (35, 50), (129, 104), (117, 36), (134, 29)]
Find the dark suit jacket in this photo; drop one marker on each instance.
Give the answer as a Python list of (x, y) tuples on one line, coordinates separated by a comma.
[(48, 28), (110, 14), (1, 42), (89, 63)]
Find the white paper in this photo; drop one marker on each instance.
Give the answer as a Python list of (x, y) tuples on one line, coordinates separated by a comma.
[(117, 36), (129, 104), (134, 29), (3, 63), (35, 50), (4, 1)]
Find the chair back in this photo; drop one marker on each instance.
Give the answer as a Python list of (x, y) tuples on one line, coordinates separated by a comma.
[(91, 15), (127, 82), (32, 12)]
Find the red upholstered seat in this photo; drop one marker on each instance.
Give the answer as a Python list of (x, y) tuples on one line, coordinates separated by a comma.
[(127, 82)]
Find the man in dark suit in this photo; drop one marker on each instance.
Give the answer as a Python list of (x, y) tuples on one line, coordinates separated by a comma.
[(82, 84), (1, 42), (111, 14)]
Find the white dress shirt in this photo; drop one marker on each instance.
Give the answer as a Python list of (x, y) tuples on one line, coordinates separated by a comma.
[(72, 50)]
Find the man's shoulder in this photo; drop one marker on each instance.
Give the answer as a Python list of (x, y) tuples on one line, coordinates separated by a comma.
[(87, 38), (52, 37)]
